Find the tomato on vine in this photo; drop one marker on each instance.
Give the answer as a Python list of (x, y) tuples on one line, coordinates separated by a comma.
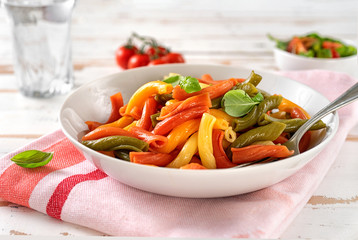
[(138, 60), (149, 52), (155, 52), (157, 61), (124, 53), (174, 58)]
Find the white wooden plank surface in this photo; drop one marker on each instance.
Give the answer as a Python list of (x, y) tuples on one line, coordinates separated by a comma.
[(231, 32)]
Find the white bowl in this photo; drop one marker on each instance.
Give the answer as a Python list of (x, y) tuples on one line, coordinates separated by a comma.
[(290, 61), (91, 102)]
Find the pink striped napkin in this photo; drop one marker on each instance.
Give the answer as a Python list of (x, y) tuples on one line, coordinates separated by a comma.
[(71, 189)]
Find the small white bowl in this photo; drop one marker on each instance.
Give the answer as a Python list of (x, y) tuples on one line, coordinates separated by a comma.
[(289, 61), (91, 102)]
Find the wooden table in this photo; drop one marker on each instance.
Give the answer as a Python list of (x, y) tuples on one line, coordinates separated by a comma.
[(226, 32)]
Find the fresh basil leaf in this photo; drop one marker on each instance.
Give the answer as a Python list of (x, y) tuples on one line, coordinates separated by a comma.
[(189, 84), (32, 158), (173, 80), (258, 97), (237, 103)]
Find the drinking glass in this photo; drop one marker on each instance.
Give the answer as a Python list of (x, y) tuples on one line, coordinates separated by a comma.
[(41, 45)]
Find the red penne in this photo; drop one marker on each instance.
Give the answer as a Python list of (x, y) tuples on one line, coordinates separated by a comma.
[(155, 141), (199, 100), (117, 103), (222, 161), (298, 112), (193, 166), (92, 125), (150, 107), (257, 152), (151, 158), (207, 79), (106, 132), (165, 126), (281, 139)]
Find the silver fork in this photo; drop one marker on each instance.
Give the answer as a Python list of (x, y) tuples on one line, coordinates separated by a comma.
[(346, 98), (292, 144)]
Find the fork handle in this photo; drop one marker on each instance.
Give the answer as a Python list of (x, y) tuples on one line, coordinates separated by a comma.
[(347, 97)]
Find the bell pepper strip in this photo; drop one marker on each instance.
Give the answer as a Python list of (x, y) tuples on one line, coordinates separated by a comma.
[(172, 109), (92, 125), (151, 158), (287, 106), (222, 161), (179, 135), (296, 46), (155, 141), (106, 132), (193, 166), (120, 123), (165, 126), (147, 90), (150, 107), (117, 103), (257, 152), (214, 91)]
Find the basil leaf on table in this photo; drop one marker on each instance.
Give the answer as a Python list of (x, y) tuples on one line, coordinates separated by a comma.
[(32, 158), (237, 102)]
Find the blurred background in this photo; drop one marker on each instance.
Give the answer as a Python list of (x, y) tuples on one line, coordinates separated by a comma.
[(232, 32)]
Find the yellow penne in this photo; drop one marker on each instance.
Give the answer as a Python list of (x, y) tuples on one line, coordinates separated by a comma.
[(149, 89), (230, 135), (221, 124), (179, 135), (134, 123), (205, 145), (186, 153), (221, 114), (203, 85)]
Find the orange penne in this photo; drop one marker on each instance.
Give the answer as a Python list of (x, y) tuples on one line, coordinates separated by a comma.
[(179, 135), (214, 91), (155, 141), (172, 109)]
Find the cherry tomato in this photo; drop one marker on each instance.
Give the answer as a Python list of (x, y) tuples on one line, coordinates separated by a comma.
[(156, 52), (157, 61), (174, 58), (138, 60), (123, 54)]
